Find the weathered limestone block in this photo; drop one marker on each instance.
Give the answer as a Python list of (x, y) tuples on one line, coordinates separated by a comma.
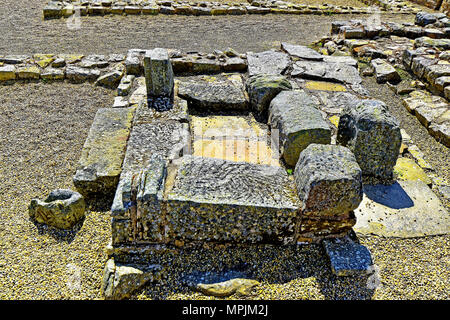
[(94, 61), (29, 72), (158, 73), (216, 95), (405, 209), (424, 18), (120, 102), (348, 258), (7, 72), (336, 72), (329, 182), (318, 228), (61, 209), (263, 88), (121, 281), (126, 83), (137, 208), (267, 62), (166, 138), (384, 72), (301, 52), (235, 64), (52, 74), (373, 135), (111, 79), (205, 66), (217, 200), (52, 10), (299, 123), (133, 62), (441, 132), (78, 75), (441, 44), (103, 152)]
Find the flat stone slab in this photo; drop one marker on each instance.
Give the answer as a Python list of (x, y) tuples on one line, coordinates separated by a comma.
[(103, 152), (267, 62), (335, 72), (405, 209), (213, 95), (347, 258), (218, 200), (301, 52), (165, 138)]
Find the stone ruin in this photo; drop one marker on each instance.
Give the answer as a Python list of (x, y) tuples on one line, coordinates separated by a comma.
[(236, 160)]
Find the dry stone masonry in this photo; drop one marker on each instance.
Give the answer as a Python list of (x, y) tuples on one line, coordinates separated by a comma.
[(238, 151), (417, 69), (66, 8)]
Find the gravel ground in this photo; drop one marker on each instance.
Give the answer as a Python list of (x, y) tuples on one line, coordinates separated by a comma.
[(42, 130), (23, 31)]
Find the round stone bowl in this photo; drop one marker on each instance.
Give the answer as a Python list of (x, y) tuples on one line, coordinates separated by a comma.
[(62, 209)]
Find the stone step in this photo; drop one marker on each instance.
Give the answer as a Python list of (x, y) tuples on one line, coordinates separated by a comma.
[(103, 152)]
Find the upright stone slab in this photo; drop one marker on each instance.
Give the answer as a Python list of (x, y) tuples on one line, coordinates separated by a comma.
[(299, 123), (218, 200), (329, 181), (137, 209), (158, 73), (103, 152), (373, 135)]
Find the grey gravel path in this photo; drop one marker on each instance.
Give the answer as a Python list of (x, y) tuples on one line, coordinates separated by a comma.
[(22, 30)]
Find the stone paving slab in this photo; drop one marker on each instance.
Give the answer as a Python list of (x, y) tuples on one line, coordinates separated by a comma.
[(404, 209), (103, 152), (165, 138)]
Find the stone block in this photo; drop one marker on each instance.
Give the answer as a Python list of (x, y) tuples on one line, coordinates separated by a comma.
[(348, 258), (373, 135), (103, 152), (263, 88), (329, 182), (384, 72), (158, 73), (299, 123), (267, 62), (217, 200), (61, 209)]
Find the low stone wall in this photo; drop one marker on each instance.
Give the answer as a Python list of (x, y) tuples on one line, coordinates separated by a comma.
[(388, 49), (66, 8)]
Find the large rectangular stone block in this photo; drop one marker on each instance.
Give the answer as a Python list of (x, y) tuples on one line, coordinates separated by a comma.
[(373, 135), (158, 73), (299, 123), (329, 182), (103, 152), (217, 200)]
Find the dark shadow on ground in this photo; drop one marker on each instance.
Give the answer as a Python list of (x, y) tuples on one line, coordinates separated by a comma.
[(267, 264), (59, 235), (392, 196)]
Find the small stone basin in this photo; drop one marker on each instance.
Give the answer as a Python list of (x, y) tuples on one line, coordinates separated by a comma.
[(63, 208)]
